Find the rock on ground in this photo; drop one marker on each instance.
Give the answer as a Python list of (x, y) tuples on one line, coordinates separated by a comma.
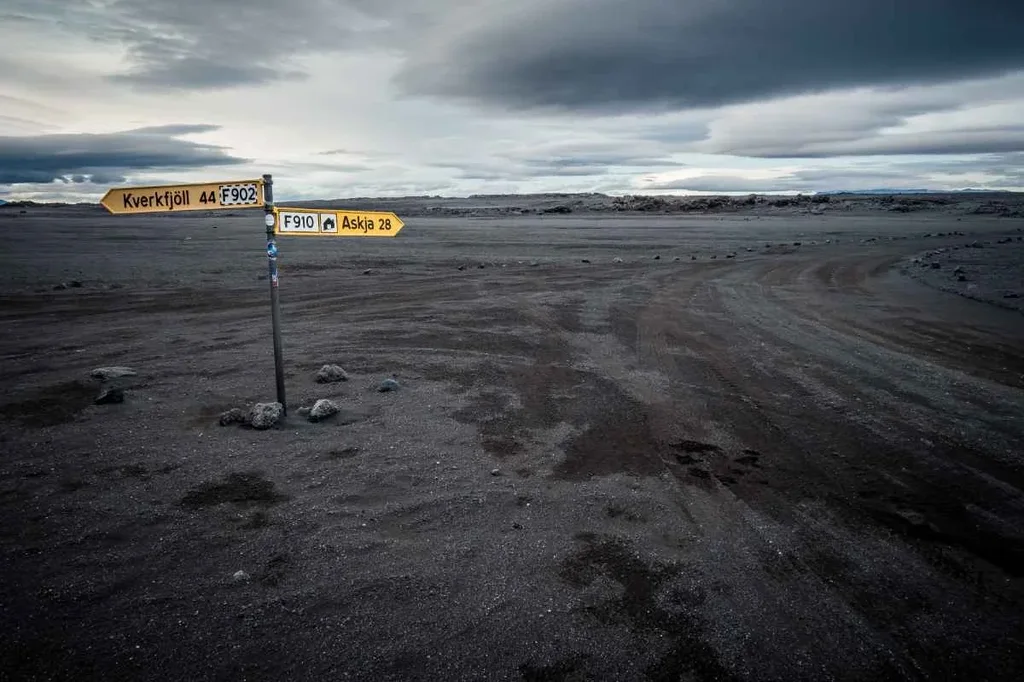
[(235, 415), (108, 373), (322, 409), (331, 373), (388, 385), (265, 415)]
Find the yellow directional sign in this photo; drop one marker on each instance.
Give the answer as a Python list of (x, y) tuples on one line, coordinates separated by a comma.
[(310, 222), (196, 197)]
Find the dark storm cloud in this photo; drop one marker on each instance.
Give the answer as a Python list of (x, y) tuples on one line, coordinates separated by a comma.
[(105, 158), (609, 54), (576, 54)]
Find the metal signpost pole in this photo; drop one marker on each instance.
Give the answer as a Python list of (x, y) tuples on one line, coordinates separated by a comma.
[(275, 301)]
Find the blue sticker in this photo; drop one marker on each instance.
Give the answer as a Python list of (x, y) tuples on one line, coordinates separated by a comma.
[(272, 249)]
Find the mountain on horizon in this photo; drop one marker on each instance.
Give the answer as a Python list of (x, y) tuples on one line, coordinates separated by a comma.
[(886, 190)]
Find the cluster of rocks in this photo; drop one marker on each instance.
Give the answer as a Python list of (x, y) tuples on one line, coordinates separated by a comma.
[(954, 233), (263, 416), (73, 284), (961, 269), (260, 416)]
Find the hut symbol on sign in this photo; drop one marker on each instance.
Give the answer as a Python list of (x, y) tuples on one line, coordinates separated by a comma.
[(329, 225)]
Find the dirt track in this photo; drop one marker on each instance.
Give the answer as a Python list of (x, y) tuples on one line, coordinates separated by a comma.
[(791, 464)]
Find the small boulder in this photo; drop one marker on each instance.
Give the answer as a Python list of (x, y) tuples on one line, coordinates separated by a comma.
[(368, 271), (585, 260), (60, 287), (616, 260), (935, 266), (693, 258), (495, 472), (109, 373), (322, 409), (329, 374), (235, 415), (462, 268), (304, 412), (75, 284), (264, 416), (240, 577), (657, 258), (961, 278), (110, 396), (1011, 294), (388, 385)]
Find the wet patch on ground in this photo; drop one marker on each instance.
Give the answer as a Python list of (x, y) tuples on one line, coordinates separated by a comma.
[(53, 405), (242, 488), (651, 601)]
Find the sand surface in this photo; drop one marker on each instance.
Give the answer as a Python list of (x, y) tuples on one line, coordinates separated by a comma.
[(802, 462)]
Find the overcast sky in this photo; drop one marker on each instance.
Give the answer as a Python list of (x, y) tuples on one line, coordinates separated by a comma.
[(341, 98)]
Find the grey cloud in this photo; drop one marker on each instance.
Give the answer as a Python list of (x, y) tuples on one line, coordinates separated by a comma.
[(608, 54), (594, 162), (205, 44), (562, 159), (575, 54), (174, 129), (995, 140), (104, 158), (981, 116), (199, 74)]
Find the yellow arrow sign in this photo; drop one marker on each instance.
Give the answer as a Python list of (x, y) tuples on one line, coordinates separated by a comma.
[(310, 222), (195, 197)]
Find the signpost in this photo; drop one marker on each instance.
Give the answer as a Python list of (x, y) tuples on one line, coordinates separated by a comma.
[(305, 222), (196, 197), (314, 222)]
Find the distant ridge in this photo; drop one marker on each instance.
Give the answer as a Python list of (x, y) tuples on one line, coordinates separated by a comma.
[(883, 191)]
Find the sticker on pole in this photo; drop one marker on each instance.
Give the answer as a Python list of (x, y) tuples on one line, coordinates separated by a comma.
[(337, 223)]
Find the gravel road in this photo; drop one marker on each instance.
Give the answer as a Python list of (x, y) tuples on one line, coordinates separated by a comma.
[(727, 457)]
